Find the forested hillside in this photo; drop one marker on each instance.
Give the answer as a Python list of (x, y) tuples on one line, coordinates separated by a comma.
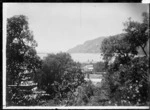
[(90, 46), (93, 46)]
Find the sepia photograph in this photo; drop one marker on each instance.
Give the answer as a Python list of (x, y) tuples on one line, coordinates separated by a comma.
[(77, 55)]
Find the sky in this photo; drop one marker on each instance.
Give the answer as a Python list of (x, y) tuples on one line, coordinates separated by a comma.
[(61, 26)]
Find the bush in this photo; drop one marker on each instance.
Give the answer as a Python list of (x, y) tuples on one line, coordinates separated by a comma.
[(129, 84), (99, 67), (89, 95), (59, 75), (17, 97), (82, 94)]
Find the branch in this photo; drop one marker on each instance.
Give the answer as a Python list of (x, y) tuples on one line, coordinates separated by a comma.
[(143, 50)]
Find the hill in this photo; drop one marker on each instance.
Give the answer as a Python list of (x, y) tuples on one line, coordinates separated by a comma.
[(93, 46), (90, 46)]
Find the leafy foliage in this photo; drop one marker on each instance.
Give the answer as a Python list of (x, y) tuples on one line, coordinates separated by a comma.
[(119, 47), (20, 50), (138, 33), (127, 81), (21, 58), (99, 67), (22, 98), (130, 82), (59, 75), (127, 76)]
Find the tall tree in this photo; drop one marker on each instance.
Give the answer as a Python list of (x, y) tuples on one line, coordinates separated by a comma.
[(59, 74), (127, 76), (21, 57), (138, 33), (119, 47)]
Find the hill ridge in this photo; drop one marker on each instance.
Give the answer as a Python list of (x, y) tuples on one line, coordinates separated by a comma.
[(93, 46)]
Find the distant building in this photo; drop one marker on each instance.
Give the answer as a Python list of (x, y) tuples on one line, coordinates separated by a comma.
[(88, 68)]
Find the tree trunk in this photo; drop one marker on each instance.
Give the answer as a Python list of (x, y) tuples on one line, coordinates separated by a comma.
[(144, 51)]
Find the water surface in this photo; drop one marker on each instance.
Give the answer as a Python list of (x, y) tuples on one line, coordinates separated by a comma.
[(81, 57)]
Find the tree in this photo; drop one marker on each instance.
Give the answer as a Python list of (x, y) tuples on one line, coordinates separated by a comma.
[(129, 83), (125, 45), (99, 67), (127, 76), (59, 74), (138, 33), (21, 57), (118, 47)]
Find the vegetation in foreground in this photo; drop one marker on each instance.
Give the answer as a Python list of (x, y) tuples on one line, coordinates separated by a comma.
[(126, 82)]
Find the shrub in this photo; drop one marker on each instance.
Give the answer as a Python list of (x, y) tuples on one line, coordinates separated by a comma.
[(130, 82), (59, 75), (17, 97), (99, 67)]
